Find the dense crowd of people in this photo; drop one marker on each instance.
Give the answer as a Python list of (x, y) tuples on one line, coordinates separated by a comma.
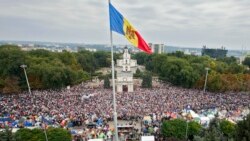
[(84, 103)]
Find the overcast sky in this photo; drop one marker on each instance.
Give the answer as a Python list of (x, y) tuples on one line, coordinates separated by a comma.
[(190, 23)]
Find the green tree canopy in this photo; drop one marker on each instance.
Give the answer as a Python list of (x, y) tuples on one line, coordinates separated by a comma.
[(25, 134), (58, 134), (246, 61), (174, 128), (243, 129), (228, 60), (179, 72), (147, 80), (45, 69), (227, 128), (189, 71), (106, 82), (138, 73), (6, 134)]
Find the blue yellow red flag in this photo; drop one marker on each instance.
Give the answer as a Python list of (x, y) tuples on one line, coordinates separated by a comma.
[(122, 26)]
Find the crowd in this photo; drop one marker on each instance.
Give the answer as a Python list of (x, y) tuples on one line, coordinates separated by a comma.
[(84, 103)]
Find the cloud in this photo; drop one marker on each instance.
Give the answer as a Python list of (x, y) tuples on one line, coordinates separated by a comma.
[(182, 22)]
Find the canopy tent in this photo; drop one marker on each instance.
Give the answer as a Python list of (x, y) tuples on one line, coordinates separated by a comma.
[(5, 119), (95, 140), (193, 114), (147, 138), (204, 121)]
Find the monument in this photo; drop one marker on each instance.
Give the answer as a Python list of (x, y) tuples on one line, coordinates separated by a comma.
[(125, 68)]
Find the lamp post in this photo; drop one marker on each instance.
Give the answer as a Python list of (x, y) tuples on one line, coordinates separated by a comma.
[(205, 85), (25, 66), (187, 130)]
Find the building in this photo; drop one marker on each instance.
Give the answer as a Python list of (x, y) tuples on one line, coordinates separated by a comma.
[(192, 52), (87, 49), (125, 68), (214, 53), (157, 48)]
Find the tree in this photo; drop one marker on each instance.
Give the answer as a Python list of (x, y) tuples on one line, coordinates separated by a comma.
[(106, 82), (227, 128), (149, 62), (174, 128), (194, 129), (158, 61), (141, 58), (11, 85), (58, 134), (6, 134), (212, 135), (147, 80), (103, 59), (246, 61), (10, 60), (243, 129), (214, 81), (228, 60), (177, 128), (179, 72), (54, 134), (235, 68), (178, 54), (138, 73), (213, 132), (25, 134), (87, 61)]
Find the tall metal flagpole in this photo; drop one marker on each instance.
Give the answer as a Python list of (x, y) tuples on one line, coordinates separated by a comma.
[(113, 83)]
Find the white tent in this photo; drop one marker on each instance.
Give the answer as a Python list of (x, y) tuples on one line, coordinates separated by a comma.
[(147, 138), (193, 114), (85, 97), (204, 121), (211, 116)]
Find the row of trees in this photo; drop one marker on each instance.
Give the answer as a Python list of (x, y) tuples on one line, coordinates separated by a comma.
[(47, 70), (50, 70), (25, 134), (189, 71), (218, 130)]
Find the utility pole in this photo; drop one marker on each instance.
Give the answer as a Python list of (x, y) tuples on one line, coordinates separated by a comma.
[(205, 85), (25, 66), (187, 130)]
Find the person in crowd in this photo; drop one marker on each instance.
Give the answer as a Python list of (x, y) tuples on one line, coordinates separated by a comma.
[(83, 104)]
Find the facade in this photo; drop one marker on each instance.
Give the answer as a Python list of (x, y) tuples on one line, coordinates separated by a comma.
[(157, 48), (214, 53), (125, 68)]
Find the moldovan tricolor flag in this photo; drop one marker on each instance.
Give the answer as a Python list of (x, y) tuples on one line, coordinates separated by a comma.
[(121, 25)]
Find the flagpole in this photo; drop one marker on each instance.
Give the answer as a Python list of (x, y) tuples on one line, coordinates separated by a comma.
[(113, 83)]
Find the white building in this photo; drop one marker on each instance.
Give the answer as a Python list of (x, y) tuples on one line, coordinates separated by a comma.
[(157, 48), (125, 68)]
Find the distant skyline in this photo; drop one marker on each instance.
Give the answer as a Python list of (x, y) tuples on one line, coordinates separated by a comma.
[(186, 23)]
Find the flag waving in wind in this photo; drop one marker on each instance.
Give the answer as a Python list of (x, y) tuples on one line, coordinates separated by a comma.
[(121, 25)]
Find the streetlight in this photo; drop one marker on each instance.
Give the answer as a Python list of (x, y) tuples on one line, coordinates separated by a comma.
[(207, 69), (187, 120), (187, 130), (25, 66)]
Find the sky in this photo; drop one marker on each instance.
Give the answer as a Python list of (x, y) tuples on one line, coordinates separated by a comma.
[(186, 23)]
